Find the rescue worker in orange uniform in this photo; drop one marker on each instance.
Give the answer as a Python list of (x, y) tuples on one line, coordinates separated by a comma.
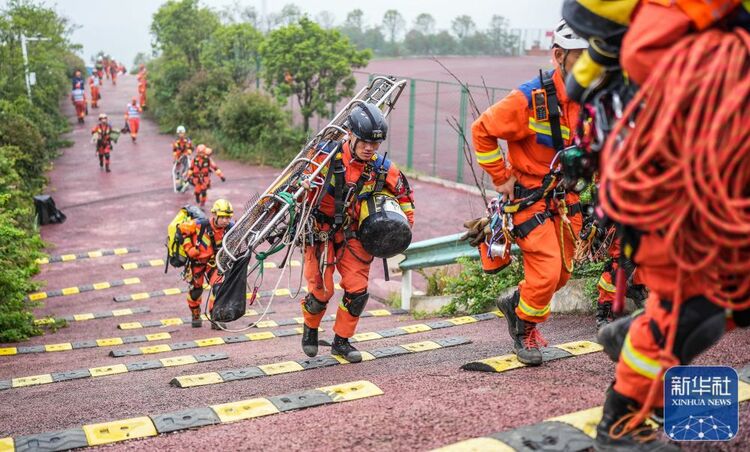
[(102, 133), (182, 146), (95, 84), (133, 118), (545, 236), (78, 98), (202, 239), (636, 291), (638, 343), (200, 173), (113, 68), (335, 244), (142, 84)]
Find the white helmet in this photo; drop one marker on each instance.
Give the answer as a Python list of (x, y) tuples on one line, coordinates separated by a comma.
[(180, 129), (566, 38)]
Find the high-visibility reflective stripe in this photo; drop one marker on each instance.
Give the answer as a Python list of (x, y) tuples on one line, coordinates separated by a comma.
[(530, 311), (406, 206), (489, 157), (606, 285), (640, 363), (544, 128)]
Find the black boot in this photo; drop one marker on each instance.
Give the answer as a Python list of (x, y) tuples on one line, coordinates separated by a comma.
[(342, 347), (638, 293), (526, 338), (618, 410), (310, 341), (197, 321), (107, 168), (603, 314), (612, 336)]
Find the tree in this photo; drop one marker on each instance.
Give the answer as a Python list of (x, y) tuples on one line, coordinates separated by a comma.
[(180, 27), (354, 19), (416, 43), (311, 64), (444, 43), (501, 42), (325, 19), (463, 26), (393, 23), (233, 48), (140, 58), (425, 24), (288, 15)]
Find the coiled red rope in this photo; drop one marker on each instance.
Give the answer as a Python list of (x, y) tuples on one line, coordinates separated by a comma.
[(678, 164)]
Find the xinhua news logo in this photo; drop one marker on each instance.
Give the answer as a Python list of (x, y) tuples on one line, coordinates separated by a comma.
[(701, 403)]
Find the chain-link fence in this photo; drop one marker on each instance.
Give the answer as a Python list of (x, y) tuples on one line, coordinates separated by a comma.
[(423, 128)]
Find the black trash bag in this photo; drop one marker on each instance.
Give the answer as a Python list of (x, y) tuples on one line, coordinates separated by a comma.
[(231, 295), (46, 212)]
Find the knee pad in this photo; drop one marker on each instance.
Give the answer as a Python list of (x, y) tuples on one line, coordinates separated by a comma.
[(312, 305), (701, 324), (355, 303), (196, 293)]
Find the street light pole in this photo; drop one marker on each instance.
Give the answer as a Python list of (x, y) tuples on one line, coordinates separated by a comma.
[(27, 74)]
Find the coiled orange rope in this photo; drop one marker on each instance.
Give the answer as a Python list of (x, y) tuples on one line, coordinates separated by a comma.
[(678, 164)]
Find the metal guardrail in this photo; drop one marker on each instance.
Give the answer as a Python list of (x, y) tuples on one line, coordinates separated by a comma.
[(435, 252)]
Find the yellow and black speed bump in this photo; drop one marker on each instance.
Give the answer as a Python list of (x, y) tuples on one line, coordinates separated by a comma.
[(80, 289), (267, 370), (263, 335), (66, 346), (115, 369), (91, 316), (160, 263), (86, 255), (252, 312), (498, 364), (153, 425), (174, 321), (176, 291), (570, 432)]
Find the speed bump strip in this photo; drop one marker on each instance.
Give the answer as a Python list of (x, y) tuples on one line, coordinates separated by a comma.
[(361, 337), (114, 369), (153, 425), (160, 263), (570, 432), (81, 289), (180, 290), (266, 370), (174, 321), (85, 255), (502, 363), (66, 346)]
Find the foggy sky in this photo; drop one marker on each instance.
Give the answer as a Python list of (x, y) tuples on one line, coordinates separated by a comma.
[(121, 28)]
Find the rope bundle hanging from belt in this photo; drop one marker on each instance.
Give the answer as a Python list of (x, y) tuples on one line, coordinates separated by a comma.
[(681, 169)]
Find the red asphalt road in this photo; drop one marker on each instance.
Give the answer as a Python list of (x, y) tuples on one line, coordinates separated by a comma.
[(428, 402)]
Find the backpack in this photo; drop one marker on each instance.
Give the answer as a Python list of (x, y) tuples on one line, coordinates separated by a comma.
[(176, 256)]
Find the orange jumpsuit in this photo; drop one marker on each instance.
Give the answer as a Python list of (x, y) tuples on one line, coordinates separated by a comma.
[(133, 117), (182, 146), (113, 72), (94, 84), (103, 144), (202, 264), (343, 251), (200, 176), (530, 154), (78, 97), (654, 29)]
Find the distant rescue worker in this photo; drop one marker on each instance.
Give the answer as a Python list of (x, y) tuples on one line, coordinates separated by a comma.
[(102, 134), (78, 98), (352, 179), (200, 173), (77, 79), (95, 84), (142, 85), (99, 69), (182, 146), (133, 118), (113, 69), (202, 240), (536, 120)]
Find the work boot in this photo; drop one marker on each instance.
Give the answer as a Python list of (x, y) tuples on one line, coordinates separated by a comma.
[(107, 169), (528, 342), (309, 341), (638, 293), (612, 336), (342, 347), (507, 306), (618, 410), (197, 321), (603, 314)]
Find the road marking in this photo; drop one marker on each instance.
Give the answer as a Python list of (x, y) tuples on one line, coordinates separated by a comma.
[(91, 316), (85, 255), (80, 289)]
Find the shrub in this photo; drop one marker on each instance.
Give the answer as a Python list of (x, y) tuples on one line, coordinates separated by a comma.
[(475, 291), (198, 99)]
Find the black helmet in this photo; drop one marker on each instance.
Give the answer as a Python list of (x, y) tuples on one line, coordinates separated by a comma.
[(367, 123)]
